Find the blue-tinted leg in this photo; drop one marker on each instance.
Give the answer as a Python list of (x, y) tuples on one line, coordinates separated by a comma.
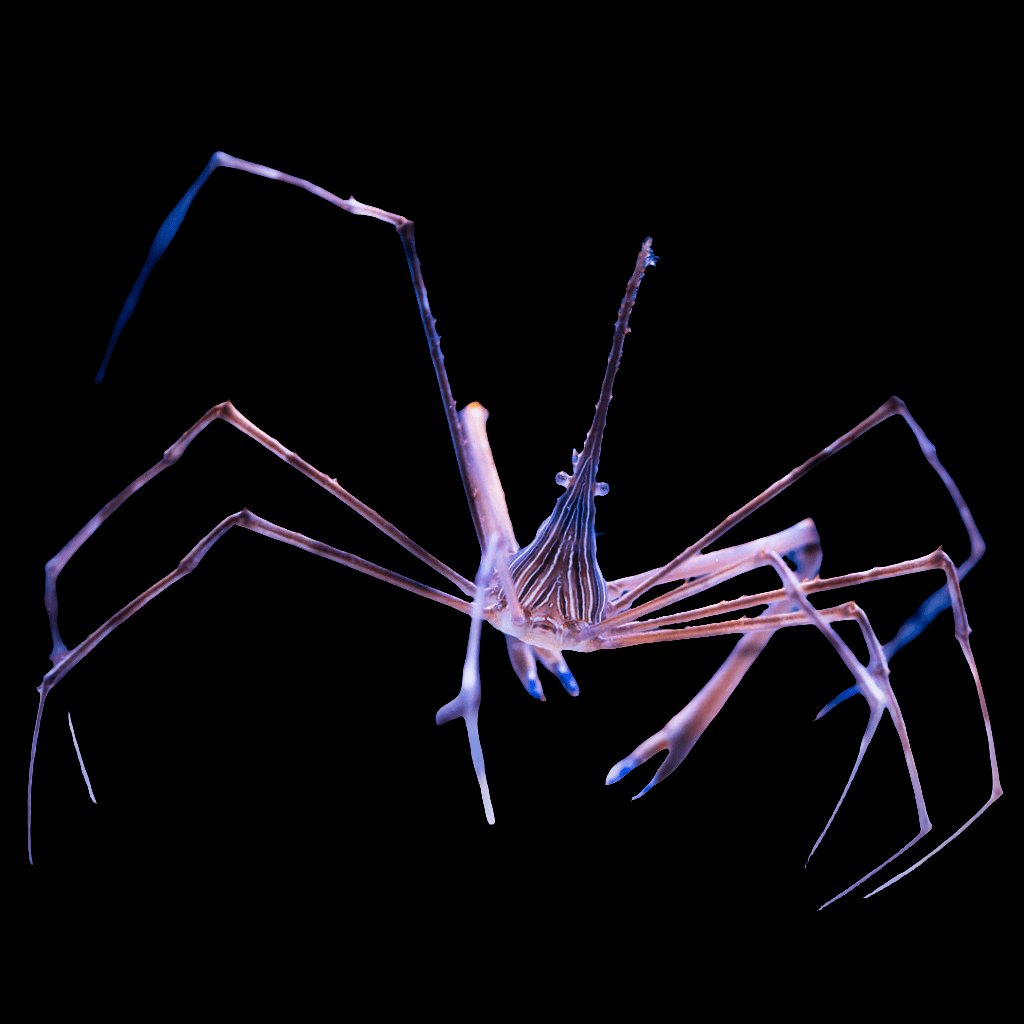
[(156, 250)]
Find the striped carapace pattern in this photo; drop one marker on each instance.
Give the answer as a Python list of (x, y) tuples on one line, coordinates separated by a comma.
[(556, 575), (557, 572)]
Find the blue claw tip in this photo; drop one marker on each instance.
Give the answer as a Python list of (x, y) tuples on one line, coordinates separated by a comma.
[(650, 785), (567, 681), (619, 770), (533, 687)]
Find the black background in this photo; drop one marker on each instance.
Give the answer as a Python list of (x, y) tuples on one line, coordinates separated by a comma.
[(268, 721)]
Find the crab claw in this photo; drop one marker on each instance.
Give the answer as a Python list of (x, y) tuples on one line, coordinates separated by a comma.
[(680, 733), (524, 663), (555, 664)]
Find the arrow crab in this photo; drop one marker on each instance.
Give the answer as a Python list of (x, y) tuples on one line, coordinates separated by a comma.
[(549, 596)]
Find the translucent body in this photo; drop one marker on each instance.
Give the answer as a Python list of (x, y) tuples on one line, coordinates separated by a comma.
[(667, 530)]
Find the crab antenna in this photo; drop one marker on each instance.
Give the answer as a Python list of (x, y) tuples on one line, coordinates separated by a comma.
[(558, 568), (585, 467)]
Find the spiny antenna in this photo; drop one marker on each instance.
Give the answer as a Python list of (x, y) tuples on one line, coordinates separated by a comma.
[(585, 465)]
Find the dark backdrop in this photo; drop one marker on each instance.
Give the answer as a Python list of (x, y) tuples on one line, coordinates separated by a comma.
[(269, 720)]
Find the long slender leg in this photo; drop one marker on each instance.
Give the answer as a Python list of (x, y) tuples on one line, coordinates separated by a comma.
[(633, 587), (717, 567), (81, 762), (940, 600), (402, 225), (682, 731), (227, 412), (872, 682), (702, 567), (650, 629), (476, 465), (763, 623), (963, 636), (654, 631), (626, 591), (185, 566)]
